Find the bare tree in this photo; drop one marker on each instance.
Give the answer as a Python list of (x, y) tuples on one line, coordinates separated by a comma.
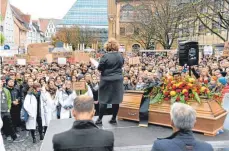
[(67, 35), (213, 15), (162, 22), (77, 35)]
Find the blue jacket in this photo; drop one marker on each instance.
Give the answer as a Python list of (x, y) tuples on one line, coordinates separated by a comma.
[(181, 141)]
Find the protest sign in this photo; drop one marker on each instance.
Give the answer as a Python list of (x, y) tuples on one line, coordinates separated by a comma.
[(38, 49), (34, 60), (122, 48), (21, 62), (134, 61), (79, 86), (82, 57), (62, 61), (130, 61), (21, 56), (94, 62), (49, 58), (226, 49), (67, 55), (9, 60), (208, 50)]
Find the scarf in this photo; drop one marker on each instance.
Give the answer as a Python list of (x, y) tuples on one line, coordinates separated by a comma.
[(52, 91)]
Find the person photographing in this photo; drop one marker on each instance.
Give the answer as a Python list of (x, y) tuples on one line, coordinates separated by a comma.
[(111, 81)]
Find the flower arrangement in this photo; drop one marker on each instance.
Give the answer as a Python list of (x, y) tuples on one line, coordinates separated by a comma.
[(182, 89)]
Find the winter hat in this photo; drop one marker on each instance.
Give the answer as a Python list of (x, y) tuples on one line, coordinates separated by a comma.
[(223, 80), (80, 76), (8, 79), (223, 74)]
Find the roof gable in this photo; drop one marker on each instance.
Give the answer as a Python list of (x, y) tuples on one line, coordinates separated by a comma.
[(3, 8), (44, 24)]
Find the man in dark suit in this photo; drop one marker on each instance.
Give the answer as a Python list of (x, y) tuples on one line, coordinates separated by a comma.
[(84, 135), (183, 120)]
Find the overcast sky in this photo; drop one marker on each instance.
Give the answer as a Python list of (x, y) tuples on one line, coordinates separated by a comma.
[(44, 8)]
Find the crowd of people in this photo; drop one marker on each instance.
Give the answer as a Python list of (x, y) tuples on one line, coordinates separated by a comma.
[(32, 96)]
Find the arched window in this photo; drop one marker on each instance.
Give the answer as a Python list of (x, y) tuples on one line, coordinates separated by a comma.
[(135, 47), (129, 30), (127, 13)]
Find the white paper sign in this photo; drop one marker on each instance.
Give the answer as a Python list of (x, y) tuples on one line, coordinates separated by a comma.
[(122, 48), (208, 50), (62, 61), (21, 62), (94, 62)]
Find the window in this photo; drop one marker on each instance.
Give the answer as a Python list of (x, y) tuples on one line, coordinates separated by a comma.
[(129, 30), (201, 29), (127, 13), (136, 31), (122, 31)]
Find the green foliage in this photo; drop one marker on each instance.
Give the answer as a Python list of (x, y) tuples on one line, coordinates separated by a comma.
[(2, 39), (196, 96), (173, 99), (157, 98)]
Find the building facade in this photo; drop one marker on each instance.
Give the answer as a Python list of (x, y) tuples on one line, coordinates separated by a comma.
[(90, 14), (20, 28), (49, 27), (120, 12), (7, 23)]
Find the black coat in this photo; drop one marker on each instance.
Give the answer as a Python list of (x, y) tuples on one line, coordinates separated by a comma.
[(128, 87), (111, 82), (24, 91), (110, 66), (180, 141), (84, 136)]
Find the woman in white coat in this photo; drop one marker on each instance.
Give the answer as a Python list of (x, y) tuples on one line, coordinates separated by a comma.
[(50, 102), (66, 97), (2, 148), (33, 106)]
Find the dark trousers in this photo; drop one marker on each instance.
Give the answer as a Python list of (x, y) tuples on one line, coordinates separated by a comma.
[(40, 127), (103, 107), (8, 128), (15, 115), (96, 109)]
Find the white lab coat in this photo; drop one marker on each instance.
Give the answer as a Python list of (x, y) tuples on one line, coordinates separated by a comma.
[(89, 91), (49, 107), (30, 105), (2, 148), (65, 100)]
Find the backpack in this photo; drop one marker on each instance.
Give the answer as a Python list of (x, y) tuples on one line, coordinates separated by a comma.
[(24, 114)]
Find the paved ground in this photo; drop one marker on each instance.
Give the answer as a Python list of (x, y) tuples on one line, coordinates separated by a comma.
[(26, 145)]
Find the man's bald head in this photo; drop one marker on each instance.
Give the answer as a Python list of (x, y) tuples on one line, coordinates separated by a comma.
[(84, 104)]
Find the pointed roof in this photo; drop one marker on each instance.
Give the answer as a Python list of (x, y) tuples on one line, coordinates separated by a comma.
[(19, 18), (35, 21), (3, 8), (44, 24), (36, 26), (27, 18), (19, 24)]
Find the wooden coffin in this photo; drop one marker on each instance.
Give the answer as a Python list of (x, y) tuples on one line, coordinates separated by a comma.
[(129, 109), (210, 116)]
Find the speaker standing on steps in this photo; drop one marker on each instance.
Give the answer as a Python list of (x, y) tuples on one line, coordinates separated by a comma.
[(188, 53)]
